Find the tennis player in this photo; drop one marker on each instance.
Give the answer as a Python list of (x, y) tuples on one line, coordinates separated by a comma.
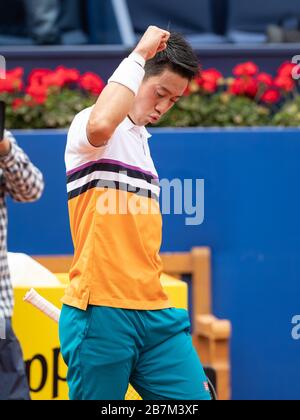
[(117, 324)]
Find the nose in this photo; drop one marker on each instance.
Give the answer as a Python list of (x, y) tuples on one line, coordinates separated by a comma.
[(162, 107)]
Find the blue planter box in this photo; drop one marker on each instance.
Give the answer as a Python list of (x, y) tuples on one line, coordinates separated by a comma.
[(252, 224)]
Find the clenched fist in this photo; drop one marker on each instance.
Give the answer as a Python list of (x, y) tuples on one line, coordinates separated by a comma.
[(153, 41)]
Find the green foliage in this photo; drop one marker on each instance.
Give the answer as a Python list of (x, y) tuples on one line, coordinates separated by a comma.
[(57, 112), (218, 110), (289, 114)]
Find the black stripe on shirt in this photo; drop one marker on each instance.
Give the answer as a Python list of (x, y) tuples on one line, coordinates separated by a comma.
[(99, 183)]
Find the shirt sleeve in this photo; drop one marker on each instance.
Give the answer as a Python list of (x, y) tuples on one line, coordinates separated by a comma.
[(21, 179), (79, 150)]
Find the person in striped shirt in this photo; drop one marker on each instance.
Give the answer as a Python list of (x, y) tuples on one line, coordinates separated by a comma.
[(23, 182), (117, 323)]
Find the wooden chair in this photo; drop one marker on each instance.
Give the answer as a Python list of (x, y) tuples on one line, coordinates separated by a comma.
[(211, 336)]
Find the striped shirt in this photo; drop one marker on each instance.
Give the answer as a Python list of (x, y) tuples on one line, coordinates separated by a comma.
[(116, 224), (22, 181)]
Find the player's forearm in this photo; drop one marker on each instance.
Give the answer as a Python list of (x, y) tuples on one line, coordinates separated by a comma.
[(110, 110)]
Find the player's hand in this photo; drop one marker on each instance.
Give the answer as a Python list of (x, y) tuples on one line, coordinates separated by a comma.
[(153, 41)]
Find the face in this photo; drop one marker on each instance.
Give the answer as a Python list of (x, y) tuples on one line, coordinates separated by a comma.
[(156, 96)]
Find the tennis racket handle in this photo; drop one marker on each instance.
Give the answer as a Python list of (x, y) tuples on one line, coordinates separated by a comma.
[(42, 304)]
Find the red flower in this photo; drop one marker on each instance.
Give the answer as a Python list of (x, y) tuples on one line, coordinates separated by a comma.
[(69, 75), (237, 87), (286, 69), (92, 83), (208, 80), (17, 103), (16, 73), (73, 75), (251, 87), (210, 87), (57, 78), (54, 79), (246, 69), (244, 86), (6, 86), (285, 83), (211, 75), (36, 76), (265, 79), (13, 81), (271, 96), (38, 93)]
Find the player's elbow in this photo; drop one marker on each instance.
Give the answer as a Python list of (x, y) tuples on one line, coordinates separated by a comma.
[(99, 132)]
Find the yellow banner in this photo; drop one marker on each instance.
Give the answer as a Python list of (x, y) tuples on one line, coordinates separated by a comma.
[(40, 343)]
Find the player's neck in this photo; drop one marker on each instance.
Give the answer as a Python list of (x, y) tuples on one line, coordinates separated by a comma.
[(133, 122)]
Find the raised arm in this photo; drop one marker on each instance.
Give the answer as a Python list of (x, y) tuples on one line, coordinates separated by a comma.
[(117, 98)]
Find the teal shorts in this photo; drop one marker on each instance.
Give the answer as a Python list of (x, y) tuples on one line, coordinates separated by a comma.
[(107, 348)]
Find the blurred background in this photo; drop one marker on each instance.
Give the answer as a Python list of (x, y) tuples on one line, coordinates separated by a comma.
[(73, 22), (223, 31)]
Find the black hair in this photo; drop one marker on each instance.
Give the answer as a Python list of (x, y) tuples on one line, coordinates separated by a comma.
[(178, 57)]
